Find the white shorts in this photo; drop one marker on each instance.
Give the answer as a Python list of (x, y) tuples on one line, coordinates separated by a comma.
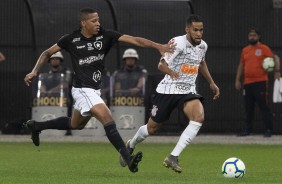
[(85, 98)]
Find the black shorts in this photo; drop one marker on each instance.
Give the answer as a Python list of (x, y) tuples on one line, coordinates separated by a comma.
[(164, 104)]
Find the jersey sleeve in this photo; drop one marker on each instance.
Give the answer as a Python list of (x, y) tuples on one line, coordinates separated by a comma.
[(205, 51), (63, 41), (242, 56), (169, 57), (267, 51), (114, 35)]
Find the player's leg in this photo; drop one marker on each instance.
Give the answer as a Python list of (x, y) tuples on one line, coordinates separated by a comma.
[(194, 111), (78, 121), (249, 102), (262, 99), (102, 113), (143, 132), (61, 123), (159, 113), (162, 107)]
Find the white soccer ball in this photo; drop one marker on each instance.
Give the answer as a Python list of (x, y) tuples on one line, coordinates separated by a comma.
[(268, 64), (233, 168)]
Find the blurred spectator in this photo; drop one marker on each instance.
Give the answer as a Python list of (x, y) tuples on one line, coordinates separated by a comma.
[(255, 82), (2, 57), (130, 79), (55, 81)]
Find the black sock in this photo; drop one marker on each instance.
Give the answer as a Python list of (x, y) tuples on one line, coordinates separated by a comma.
[(116, 140), (61, 123)]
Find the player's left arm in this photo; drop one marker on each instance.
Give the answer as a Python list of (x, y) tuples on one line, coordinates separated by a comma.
[(2, 57), (277, 73), (163, 67), (143, 42), (205, 72)]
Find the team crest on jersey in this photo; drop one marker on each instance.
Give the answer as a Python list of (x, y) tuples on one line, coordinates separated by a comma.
[(258, 52), (154, 110), (98, 45), (99, 37), (97, 76)]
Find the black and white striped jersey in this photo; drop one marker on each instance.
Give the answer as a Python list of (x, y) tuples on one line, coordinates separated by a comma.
[(185, 60)]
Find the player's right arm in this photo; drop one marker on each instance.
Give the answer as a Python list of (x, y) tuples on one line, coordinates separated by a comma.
[(143, 42), (240, 71), (43, 58)]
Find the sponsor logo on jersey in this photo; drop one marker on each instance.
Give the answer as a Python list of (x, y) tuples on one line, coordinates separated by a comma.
[(99, 37), (183, 87), (91, 59), (75, 39), (98, 45), (97, 76), (80, 47), (188, 69)]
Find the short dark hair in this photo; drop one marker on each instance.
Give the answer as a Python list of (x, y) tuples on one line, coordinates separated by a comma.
[(255, 30), (193, 18), (84, 13)]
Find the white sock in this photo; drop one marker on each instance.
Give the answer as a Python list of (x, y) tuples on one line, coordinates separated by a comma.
[(186, 137), (140, 136)]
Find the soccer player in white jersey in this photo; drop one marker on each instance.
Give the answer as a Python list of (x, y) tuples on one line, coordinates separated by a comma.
[(178, 88)]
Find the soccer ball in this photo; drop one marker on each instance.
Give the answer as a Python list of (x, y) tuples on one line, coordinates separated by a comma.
[(233, 168), (268, 64)]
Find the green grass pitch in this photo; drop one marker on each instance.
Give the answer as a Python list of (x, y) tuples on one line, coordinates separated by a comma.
[(97, 163)]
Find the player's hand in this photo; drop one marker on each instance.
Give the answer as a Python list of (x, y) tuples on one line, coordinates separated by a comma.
[(215, 91), (169, 47), (173, 74), (28, 78)]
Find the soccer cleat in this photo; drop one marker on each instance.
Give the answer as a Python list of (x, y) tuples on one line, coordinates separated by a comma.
[(30, 124), (133, 162), (172, 162), (121, 160)]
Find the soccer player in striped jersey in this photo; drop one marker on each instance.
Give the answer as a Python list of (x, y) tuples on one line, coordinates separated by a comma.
[(178, 87)]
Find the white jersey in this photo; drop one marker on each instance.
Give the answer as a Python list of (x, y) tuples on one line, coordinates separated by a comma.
[(185, 60)]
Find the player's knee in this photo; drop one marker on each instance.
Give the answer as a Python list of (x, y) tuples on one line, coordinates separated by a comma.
[(77, 126), (105, 118), (152, 128), (198, 118)]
